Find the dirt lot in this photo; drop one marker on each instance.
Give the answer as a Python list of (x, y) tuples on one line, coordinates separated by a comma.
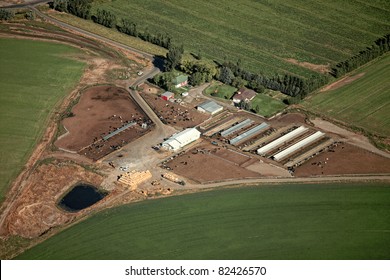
[(35, 211), (207, 163), (100, 111), (174, 114), (346, 159)]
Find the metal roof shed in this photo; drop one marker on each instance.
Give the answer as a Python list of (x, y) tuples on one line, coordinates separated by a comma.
[(248, 134), (236, 127), (210, 107)]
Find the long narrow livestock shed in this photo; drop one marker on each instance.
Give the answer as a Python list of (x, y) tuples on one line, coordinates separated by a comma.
[(222, 126), (267, 138), (119, 130), (281, 140), (306, 155), (304, 142), (236, 127), (249, 134)]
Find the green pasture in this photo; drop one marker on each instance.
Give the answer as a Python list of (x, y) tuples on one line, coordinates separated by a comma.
[(365, 102), (325, 221), (220, 90), (34, 77), (262, 34), (266, 106)]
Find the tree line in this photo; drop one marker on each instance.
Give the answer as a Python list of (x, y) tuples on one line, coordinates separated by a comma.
[(82, 9), (379, 47), (6, 14)]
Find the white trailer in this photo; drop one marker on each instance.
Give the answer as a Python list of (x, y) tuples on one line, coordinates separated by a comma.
[(287, 137), (314, 137)]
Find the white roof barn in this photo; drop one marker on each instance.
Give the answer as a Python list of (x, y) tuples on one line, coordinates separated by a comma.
[(181, 139), (210, 107)]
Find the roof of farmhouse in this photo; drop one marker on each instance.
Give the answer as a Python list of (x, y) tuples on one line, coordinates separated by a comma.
[(180, 79), (244, 93), (210, 106)]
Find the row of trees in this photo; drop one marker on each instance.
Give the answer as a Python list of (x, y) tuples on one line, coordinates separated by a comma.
[(380, 46), (6, 14), (105, 18), (80, 8)]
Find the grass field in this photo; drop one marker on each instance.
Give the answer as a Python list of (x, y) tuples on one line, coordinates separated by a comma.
[(334, 221), (34, 77), (263, 34), (364, 102), (266, 105), (220, 90)]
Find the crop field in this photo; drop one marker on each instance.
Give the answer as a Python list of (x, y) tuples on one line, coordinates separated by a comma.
[(263, 34), (34, 77), (330, 221), (363, 102)]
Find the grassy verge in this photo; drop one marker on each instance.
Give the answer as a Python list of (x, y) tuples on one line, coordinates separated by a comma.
[(34, 77), (329, 221)]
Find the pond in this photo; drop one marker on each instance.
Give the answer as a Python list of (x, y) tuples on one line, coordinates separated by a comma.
[(81, 197)]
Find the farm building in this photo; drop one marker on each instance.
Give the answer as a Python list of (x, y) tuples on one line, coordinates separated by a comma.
[(243, 94), (249, 134), (292, 149), (281, 140), (168, 95), (180, 81), (181, 139), (236, 127), (210, 107)]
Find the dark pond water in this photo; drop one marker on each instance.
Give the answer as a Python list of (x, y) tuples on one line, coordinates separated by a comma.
[(80, 197)]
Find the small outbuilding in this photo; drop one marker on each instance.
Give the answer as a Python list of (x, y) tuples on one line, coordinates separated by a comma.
[(244, 94), (210, 107), (181, 139), (168, 95), (180, 81)]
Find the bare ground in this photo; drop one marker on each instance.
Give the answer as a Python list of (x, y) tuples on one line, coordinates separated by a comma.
[(342, 82)]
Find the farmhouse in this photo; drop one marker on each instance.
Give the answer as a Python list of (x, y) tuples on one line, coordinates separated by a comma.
[(210, 107), (168, 95), (181, 139), (180, 81), (243, 94)]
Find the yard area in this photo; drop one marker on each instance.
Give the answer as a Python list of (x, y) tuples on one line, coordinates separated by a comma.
[(34, 78), (266, 106), (220, 90)]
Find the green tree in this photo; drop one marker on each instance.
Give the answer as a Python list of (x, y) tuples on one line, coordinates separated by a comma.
[(174, 56), (6, 14), (226, 75)]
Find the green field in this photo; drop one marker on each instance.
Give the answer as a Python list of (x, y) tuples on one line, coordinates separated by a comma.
[(329, 221), (34, 77), (220, 90), (263, 33), (364, 102), (266, 106)]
